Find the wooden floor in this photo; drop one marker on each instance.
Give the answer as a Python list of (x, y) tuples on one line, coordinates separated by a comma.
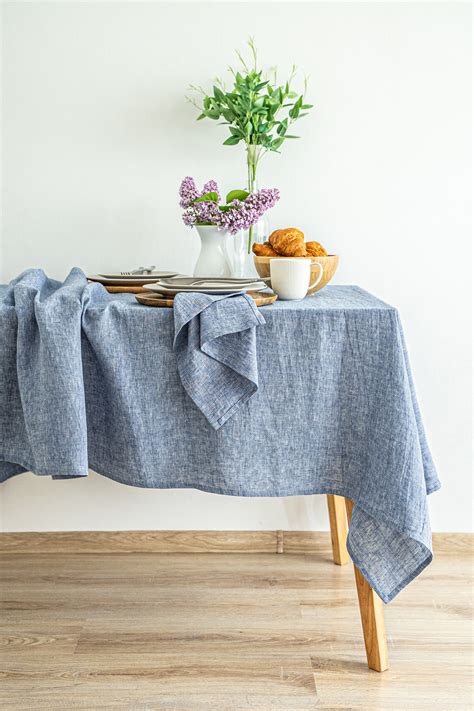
[(224, 632)]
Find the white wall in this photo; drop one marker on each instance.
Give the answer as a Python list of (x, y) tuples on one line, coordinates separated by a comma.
[(97, 136)]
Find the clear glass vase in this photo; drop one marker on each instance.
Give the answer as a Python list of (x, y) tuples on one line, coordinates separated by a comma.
[(239, 257), (240, 261), (259, 231), (239, 246)]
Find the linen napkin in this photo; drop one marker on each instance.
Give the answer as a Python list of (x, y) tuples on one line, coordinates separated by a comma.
[(215, 347)]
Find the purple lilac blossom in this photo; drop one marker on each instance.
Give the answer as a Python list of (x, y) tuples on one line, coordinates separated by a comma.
[(211, 187), (207, 212), (189, 217), (187, 192), (244, 213), (249, 211)]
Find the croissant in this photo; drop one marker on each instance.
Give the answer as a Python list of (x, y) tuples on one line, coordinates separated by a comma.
[(288, 242), (315, 249), (264, 250)]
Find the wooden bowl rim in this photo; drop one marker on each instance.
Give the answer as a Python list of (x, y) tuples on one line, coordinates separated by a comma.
[(281, 256)]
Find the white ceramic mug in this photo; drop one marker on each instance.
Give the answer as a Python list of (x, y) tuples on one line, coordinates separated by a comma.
[(290, 277)]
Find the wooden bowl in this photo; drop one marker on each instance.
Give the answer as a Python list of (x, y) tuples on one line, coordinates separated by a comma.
[(329, 265)]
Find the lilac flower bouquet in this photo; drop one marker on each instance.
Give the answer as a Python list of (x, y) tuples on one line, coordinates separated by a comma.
[(240, 211)]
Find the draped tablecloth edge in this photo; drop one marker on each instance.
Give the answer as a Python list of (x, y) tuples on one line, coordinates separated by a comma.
[(388, 597), (316, 491)]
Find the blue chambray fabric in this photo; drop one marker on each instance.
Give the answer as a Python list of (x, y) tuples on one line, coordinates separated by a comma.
[(216, 351), (91, 380)]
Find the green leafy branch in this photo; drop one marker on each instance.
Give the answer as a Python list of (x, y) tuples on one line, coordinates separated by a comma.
[(257, 111)]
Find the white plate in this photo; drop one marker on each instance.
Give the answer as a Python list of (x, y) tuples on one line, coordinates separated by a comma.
[(187, 282), (228, 286), (254, 285), (124, 281), (172, 291), (147, 275)]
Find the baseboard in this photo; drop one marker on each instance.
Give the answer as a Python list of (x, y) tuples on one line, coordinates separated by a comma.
[(299, 542), (462, 543)]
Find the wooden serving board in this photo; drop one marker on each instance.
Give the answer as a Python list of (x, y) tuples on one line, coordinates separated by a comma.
[(117, 289), (126, 289), (153, 299)]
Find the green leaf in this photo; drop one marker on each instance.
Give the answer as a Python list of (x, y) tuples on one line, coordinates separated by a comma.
[(283, 127), (231, 141), (288, 136), (218, 93), (236, 195), (307, 106), (201, 116), (208, 197), (277, 143)]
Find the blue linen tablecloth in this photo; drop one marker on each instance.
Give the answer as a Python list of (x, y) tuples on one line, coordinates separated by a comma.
[(91, 380)]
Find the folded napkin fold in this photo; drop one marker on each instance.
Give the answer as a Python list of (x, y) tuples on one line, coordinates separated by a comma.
[(215, 347)]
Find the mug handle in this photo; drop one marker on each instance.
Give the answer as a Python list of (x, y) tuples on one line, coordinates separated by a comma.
[(316, 281)]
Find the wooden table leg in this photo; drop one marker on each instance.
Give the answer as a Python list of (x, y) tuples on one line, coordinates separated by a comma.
[(372, 617), (338, 524)]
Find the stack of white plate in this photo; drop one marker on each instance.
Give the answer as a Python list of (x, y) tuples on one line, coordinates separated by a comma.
[(205, 285), (123, 279)]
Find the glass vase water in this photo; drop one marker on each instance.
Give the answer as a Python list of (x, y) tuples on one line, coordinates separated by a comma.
[(239, 246)]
